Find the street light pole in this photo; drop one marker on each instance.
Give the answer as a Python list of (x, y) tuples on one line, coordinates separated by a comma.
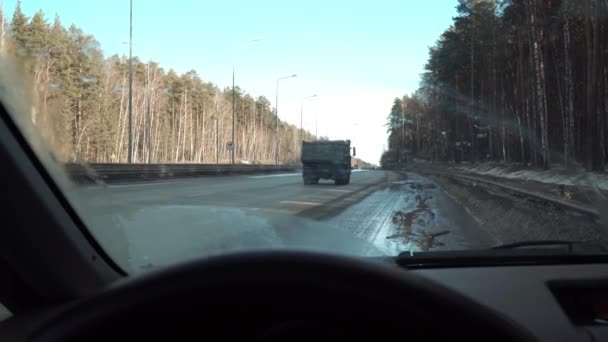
[(301, 116), (149, 90), (257, 39), (147, 95), (233, 116), (276, 123), (130, 149), (217, 137), (276, 126)]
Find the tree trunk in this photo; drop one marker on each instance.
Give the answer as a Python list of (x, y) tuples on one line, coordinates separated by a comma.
[(540, 85), (593, 161), (472, 102), (569, 146)]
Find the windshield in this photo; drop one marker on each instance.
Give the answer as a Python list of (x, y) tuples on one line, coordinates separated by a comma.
[(185, 129)]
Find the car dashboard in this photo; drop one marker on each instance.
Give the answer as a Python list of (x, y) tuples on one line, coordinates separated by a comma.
[(553, 302)]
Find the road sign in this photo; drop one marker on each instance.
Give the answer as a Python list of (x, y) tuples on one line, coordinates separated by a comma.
[(230, 146)]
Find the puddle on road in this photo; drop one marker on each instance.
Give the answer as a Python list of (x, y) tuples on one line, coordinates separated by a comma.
[(406, 215), (410, 225), (418, 186), (400, 182)]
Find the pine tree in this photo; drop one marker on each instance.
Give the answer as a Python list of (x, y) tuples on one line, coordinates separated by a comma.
[(516, 80), (18, 25), (176, 117)]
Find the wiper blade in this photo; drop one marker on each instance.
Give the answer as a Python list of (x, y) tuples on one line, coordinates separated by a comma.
[(539, 243), (522, 253), (570, 246)]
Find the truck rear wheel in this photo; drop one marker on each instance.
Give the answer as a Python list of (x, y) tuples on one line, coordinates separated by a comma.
[(343, 180), (309, 180)]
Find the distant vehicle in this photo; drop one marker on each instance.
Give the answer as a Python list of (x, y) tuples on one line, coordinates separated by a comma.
[(326, 160), (355, 166)]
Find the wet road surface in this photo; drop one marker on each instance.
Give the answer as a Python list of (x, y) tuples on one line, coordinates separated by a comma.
[(379, 213), (413, 214), (276, 193)]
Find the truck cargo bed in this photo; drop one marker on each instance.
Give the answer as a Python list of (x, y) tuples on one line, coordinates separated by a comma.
[(325, 151)]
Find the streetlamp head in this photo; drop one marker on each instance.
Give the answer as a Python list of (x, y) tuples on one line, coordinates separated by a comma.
[(286, 77)]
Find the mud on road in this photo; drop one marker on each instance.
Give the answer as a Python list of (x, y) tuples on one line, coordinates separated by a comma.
[(412, 213)]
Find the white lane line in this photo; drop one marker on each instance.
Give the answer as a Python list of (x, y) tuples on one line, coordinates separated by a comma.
[(336, 190), (142, 184), (293, 174), (277, 175), (301, 203), (273, 210), (477, 219)]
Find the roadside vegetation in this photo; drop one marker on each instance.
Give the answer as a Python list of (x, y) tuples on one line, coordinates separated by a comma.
[(81, 103), (511, 81)]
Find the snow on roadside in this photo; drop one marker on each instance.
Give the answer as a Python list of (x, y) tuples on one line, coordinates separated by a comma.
[(552, 176)]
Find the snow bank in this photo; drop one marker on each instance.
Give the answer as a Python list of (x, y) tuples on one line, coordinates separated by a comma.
[(553, 176)]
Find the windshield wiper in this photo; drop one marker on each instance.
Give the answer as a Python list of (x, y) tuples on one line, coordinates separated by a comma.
[(520, 253), (570, 246), (539, 243)]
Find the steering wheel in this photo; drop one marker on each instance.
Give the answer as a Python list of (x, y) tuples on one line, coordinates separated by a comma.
[(279, 296)]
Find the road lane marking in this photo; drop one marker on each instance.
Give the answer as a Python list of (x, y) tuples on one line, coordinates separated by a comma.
[(277, 175), (301, 203), (341, 202), (336, 190), (477, 219), (117, 186)]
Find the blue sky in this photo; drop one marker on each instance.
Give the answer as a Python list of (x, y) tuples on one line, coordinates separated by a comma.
[(357, 56)]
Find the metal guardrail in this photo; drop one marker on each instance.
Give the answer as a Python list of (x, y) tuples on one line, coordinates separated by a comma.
[(518, 192), (112, 172)]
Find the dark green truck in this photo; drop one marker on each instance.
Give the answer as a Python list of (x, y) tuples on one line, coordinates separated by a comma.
[(326, 160)]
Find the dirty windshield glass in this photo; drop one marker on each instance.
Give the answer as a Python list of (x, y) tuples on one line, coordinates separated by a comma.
[(185, 129)]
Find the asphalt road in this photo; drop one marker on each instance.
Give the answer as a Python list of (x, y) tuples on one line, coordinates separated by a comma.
[(379, 213), (281, 193)]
